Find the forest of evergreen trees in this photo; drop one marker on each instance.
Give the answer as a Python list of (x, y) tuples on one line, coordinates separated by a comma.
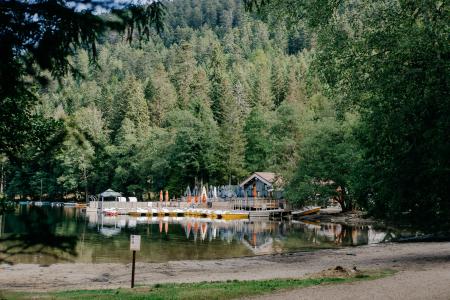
[(217, 95), (344, 99)]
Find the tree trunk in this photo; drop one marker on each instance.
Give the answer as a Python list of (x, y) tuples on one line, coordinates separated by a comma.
[(342, 200), (85, 185), (2, 180)]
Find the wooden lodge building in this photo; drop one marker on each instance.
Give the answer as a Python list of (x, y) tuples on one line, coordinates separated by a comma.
[(262, 185)]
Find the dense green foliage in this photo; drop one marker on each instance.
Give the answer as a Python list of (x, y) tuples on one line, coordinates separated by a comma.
[(388, 62), (38, 37), (345, 99), (217, 95)]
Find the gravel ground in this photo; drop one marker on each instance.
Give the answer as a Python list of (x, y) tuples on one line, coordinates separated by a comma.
[(431, 283), (410, 259)]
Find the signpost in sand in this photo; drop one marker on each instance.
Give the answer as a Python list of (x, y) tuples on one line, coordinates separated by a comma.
[(135, 245)]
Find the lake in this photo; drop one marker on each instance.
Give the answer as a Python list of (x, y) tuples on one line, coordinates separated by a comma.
[(46, 235)]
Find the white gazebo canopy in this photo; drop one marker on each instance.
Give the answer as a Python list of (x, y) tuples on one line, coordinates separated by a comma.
[(109, 193)]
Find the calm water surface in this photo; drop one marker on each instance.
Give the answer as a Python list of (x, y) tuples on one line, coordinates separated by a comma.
[(47, 235)]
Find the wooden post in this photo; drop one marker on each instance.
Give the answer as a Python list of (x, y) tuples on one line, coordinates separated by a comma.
[(133, 268), (135, 245)]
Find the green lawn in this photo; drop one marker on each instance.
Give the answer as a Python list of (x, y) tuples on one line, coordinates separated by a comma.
[(197, 291)]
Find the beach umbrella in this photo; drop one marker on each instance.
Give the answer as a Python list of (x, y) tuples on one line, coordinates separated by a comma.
[(204, 195), (204, 198), (188, 195), (195, 195)]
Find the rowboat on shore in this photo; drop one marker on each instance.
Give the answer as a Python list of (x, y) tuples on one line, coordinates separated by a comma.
[(307, 210)]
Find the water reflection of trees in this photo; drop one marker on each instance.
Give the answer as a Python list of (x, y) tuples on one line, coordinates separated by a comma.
[(261, 236), (35, 231), (59, 233)]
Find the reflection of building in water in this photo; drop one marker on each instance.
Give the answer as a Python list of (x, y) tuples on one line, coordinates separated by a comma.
[(262, 236), (108, 229), (259, 236)]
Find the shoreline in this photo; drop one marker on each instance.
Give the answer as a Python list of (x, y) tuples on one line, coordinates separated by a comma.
[(397, 256)]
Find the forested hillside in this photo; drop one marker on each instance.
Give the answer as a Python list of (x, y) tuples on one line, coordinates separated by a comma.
[(344, 99), (217, 95)]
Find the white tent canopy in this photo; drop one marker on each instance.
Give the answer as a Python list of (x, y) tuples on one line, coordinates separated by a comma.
[(109, 193)]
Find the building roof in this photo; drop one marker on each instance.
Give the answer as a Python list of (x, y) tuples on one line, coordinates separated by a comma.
[(268, 178), (110, 193)]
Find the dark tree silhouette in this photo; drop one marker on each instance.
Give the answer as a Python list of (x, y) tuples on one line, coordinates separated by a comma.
[(41, 35)]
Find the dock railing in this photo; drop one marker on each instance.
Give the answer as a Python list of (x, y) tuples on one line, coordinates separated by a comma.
[(247, 203), (241, 203)]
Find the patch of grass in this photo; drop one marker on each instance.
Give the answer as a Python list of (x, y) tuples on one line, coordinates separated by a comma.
[(202, 290)]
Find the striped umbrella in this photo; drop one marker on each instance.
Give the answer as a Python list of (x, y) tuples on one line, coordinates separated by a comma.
[(204, 197), (188, 195), (195, 195)]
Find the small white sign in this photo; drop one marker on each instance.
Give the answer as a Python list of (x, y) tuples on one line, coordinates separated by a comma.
[(135, 242)]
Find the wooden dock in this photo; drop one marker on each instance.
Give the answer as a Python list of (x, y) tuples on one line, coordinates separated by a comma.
[(253, 208), (271, 214)]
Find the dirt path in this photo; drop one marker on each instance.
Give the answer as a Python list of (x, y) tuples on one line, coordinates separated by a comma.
[(403, 257), (432, 283)]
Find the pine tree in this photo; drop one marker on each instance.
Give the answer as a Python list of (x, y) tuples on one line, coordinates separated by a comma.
[(200, 88), (160, 94), (261, 83), (182, 75), (257, 132), (279, 81), (233, 146), (295, 89), (220, 85), (130, 103)]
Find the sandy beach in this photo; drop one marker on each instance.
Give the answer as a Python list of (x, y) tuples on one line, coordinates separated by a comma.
[(407, 258), (430, 282)]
